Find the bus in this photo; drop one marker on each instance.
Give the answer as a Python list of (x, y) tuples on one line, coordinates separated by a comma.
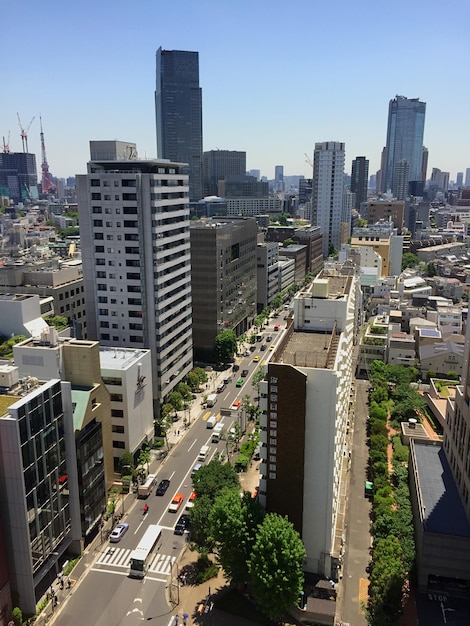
[(140, 557)]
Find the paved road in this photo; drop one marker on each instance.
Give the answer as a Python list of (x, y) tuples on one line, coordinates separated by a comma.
[(355, 581), (104, 595)]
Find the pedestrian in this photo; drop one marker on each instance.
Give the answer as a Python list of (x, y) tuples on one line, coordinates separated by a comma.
[(52, 591), (176, 619), (61, 583), (178, 433), (69, 583)]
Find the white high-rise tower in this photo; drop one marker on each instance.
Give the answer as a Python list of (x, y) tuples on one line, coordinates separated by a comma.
[(134, 228), (327, 191)]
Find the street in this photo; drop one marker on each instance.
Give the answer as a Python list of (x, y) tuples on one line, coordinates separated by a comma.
[(105, 594)]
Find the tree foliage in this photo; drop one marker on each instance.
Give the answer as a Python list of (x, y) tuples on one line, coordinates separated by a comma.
[(409, 260), (225, 346), (57, 321), (234, 521), (212, 478), (6, 345), (386, 582), (275, 566), (126, 463), (176, 400)]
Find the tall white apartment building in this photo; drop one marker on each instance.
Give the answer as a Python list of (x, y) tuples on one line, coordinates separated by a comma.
[(327, 191), (134, 227), (304, 421)]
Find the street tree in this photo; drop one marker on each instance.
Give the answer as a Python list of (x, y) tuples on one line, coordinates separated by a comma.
[(225, 346), (387, 578), (211, 479), (145, 458), (201, 373), (275, 566), (126, 463), (234, 521), (200, 529), (257, 377), (193, 381), (176, 400), (185, 390)]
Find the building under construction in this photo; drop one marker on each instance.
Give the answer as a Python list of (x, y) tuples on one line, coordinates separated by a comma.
[(18, 176)]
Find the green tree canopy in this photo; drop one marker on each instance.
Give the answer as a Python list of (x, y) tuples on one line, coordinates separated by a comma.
[(176, 400), (234, 521), (212, 478), (193, 381), (199, 514), (225, 346), (126, 463), (57, 321), (275, 566), (185, 390), (409, 260)]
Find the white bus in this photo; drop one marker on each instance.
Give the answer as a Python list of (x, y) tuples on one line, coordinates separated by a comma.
[(140, 557)]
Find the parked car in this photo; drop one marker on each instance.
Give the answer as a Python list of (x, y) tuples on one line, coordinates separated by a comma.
[(182, 524), (162, 487), (190, 502), (118, 532)]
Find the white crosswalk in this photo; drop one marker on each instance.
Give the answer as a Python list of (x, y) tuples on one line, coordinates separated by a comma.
[(119, 557)]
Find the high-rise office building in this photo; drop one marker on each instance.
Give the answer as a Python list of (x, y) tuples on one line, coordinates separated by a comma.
[(359, 176), (18, 176), (134, 227), (220, 165), (467, 177), (279, 178), (459, 180), (327, 193), (178, 107), (405, 131), (223, 278)]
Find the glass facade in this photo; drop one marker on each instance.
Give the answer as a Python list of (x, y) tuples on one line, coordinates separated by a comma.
[(41, 428), (178, 107), (405, 133), (91, 478)]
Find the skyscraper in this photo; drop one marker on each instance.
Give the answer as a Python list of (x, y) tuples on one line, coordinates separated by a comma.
[(467, 177), (279, 178), (359, 176), (136, 259), (327, 193), (405, 131), (178, 108), (459, 180)]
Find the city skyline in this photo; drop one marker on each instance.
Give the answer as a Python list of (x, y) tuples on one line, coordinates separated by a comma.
[(268, 86)]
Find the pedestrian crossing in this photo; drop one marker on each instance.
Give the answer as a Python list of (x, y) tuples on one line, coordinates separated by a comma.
[(120, 557)]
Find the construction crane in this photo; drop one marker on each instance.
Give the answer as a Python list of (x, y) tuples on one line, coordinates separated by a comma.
[(24, 133), (6, 145), (308, 160), (46, 181)]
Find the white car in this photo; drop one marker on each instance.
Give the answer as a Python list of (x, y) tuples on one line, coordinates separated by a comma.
[(118, 533)]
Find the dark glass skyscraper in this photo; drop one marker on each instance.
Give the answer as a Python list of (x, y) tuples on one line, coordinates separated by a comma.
[(178, 108), (359, 180), (405, 133)]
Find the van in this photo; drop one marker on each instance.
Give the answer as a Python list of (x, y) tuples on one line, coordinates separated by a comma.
[(220, 387), (203, 452), (211, 399), (218, 428), (211, 421)]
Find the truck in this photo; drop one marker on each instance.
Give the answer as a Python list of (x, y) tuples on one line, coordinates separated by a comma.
[(145, 489), (203, 452), (211, 421), (211, 399), (218, 428)]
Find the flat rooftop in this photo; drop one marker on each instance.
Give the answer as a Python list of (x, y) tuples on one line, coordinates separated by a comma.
[(308, 349), (444, 512), (119, 358)]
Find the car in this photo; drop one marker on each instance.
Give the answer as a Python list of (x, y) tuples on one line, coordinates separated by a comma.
[(236, 404), (182, 524), (227, 380), (277, 327), (269, 338), (244, 373), (235, 367), (256, 358), (196, 468), (252, 348), (263, 347), (220, 387), (272, 346), (239, 382), (162, 487), (176, 502), (190, 502), (118, 532)]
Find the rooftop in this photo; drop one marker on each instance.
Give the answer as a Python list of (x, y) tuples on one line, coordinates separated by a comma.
[(443, 510), (308, 349), (119, 358)]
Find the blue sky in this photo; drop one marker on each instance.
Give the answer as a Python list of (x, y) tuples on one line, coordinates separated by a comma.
[(276, 77)]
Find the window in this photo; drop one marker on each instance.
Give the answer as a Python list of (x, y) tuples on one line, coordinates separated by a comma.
[(100, 262), (99, 236), (117, 413), (96, 196), (118, 429), (100, 274), (119, 444), (116, 397)]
